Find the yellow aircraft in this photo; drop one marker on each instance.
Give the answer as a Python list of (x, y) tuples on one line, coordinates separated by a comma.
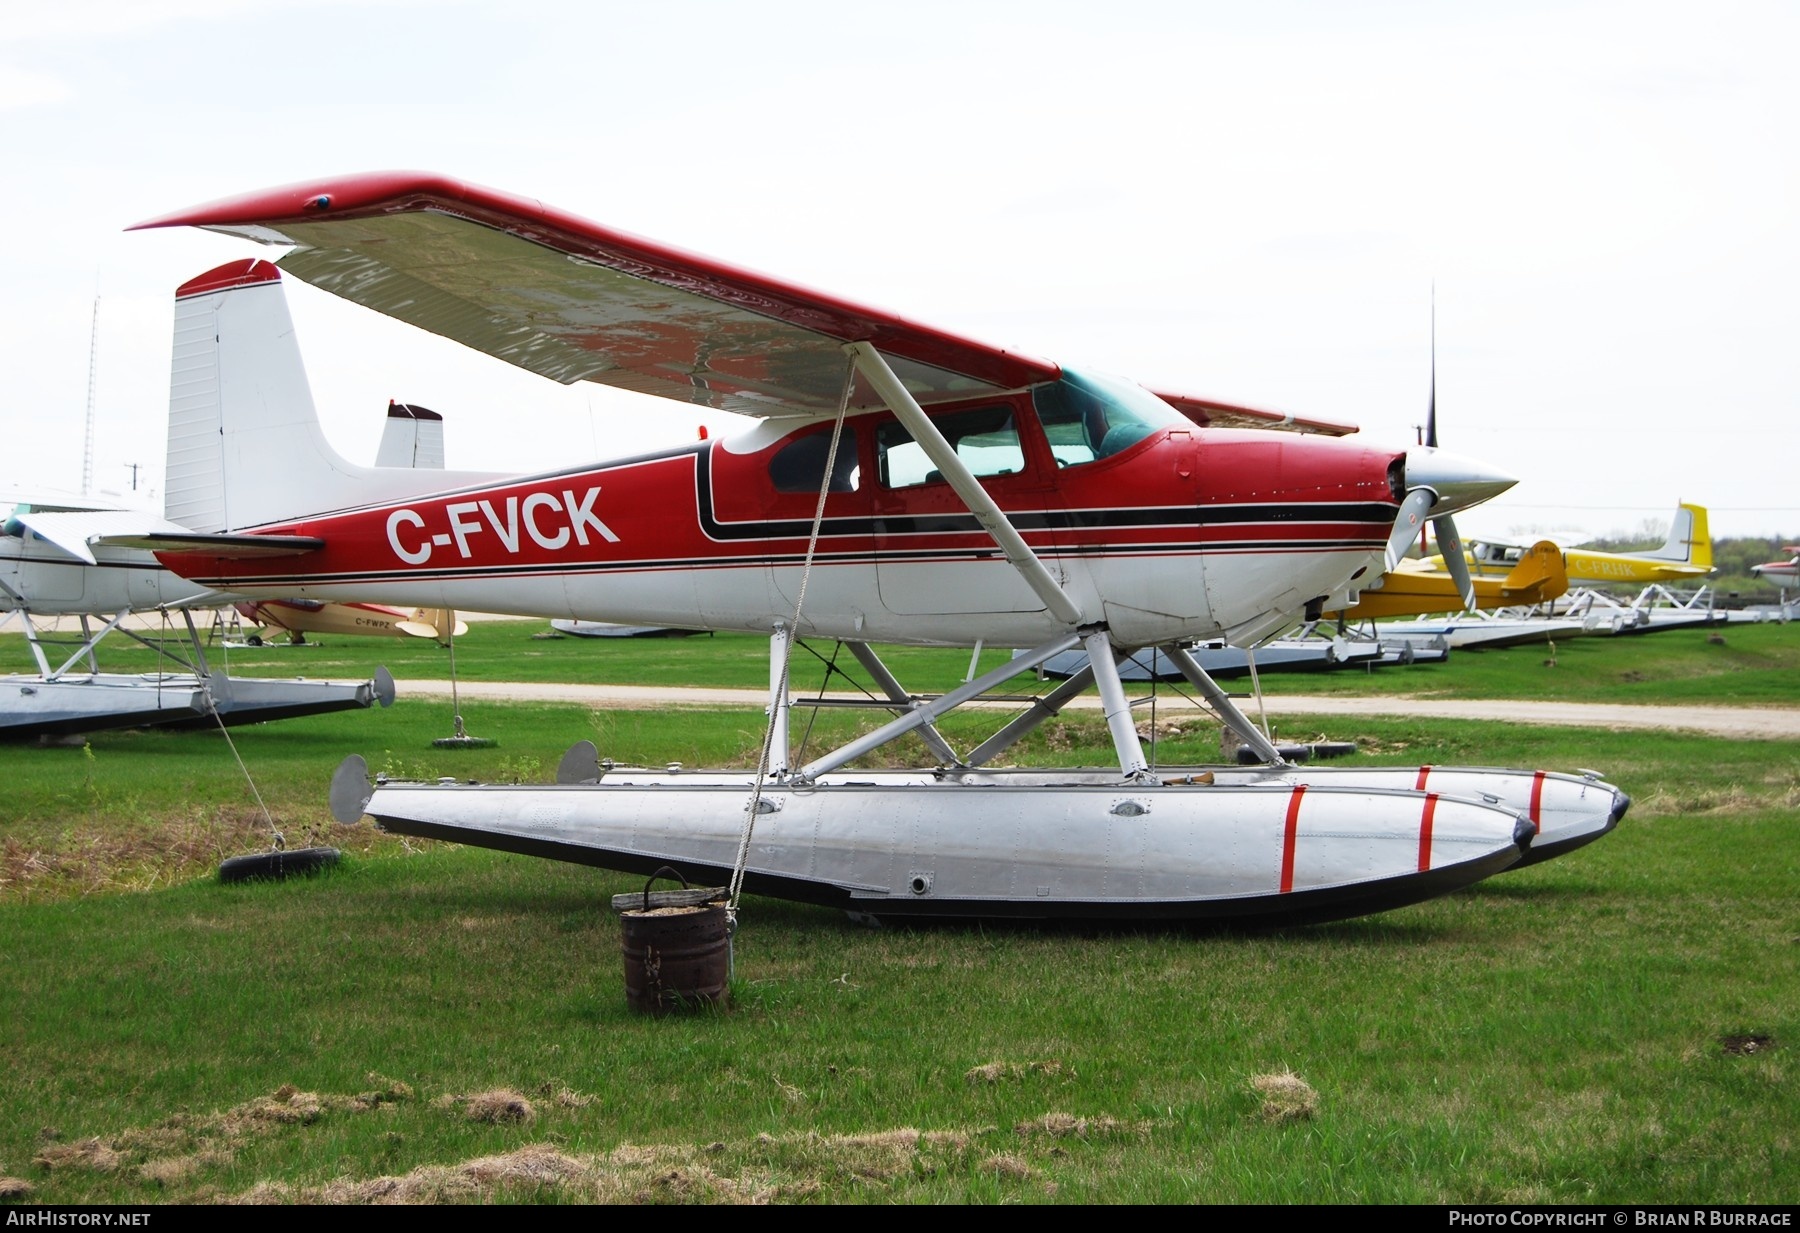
[(1686, 554), (1412, 588), (300, 617)]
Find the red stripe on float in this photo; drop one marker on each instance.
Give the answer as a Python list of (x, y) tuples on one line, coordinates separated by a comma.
[(1425, 819), (1287, 841), (1537, 803), (1423, 772)]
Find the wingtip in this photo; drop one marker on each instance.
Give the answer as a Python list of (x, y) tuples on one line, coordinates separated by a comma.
[(291, 202)]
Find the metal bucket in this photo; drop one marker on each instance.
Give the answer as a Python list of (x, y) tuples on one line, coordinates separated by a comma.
[(676, 945)]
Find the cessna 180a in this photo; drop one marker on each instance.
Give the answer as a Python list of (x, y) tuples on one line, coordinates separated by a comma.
[(903, 485)]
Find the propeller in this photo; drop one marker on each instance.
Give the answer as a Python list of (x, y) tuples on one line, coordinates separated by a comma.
[(1451, 546), (1439, 484), (1412, 514)]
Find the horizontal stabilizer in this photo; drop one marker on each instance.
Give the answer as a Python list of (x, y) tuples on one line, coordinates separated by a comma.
[(224, 547), (1540, 571), (75, 531), (412, 437)]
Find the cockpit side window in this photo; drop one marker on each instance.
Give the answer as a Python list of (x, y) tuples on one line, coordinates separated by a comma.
[(985, 438), (1087, 418), (799, 466)]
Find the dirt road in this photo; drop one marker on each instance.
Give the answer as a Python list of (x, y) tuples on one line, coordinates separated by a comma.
[(1750, 723)]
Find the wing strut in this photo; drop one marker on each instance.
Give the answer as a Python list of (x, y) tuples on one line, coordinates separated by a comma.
[(780, 701), (875, 370)]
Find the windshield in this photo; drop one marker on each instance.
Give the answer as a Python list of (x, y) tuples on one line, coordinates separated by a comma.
[(1088, 417)]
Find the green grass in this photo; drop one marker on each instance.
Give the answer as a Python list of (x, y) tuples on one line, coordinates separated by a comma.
[(1553, 1035), (1750, 665), (1753, 665)]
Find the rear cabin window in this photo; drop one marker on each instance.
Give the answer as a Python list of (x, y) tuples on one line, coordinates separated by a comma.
[(986, 439), (799, 466)]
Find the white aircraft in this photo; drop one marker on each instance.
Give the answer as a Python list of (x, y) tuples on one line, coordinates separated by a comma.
[(53, 563), (1783, 574), (52, 558), (1032, 505)]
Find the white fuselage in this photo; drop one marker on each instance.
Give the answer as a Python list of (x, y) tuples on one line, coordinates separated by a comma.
[(47, 581)]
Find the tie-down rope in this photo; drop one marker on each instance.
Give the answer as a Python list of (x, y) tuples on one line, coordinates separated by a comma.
[(778, 699)]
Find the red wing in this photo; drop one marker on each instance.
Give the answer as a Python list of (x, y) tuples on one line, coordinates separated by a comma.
[(1211, 414), (575, 301)]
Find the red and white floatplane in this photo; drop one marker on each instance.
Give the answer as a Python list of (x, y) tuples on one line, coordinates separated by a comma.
[(902, 485)]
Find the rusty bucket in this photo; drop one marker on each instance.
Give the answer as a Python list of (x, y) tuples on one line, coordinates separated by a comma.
[(676, 945)]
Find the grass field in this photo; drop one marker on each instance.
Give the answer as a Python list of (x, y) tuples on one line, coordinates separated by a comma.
[(433, 1022), (1752, 665)]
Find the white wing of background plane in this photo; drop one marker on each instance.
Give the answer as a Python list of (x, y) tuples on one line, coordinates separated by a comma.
[(75, 531)]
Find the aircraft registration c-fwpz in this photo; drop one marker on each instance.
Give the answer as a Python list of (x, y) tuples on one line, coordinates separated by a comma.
[(916, 487)]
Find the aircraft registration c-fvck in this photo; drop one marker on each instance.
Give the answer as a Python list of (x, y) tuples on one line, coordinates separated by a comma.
[(903, 485)]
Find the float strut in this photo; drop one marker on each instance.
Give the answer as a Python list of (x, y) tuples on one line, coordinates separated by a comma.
[(871, 662), (1222, 705)]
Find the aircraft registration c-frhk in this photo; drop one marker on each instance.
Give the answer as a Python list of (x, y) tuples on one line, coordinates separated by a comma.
[(915, 486)]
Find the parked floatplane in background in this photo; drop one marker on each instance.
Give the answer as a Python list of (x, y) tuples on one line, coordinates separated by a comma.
[(1685, 555), (1031, 505), (299, 617), (49, 569), (54, 562), (1560, 611), (1784, 574)]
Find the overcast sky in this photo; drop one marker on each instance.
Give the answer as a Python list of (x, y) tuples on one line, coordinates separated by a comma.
[(1247, 201)]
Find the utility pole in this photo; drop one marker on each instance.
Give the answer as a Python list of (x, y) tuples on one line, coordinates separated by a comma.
[(87, 452)]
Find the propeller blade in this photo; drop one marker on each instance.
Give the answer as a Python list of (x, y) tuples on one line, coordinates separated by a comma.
[(1431, 407), (1451, 545), (1406, 524)]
